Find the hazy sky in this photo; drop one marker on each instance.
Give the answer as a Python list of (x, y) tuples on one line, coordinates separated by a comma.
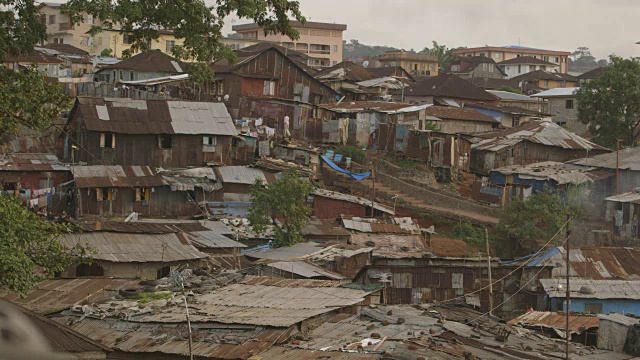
[(604, 26)]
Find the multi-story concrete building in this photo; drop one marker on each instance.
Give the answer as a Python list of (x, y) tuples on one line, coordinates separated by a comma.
[(524, 64), (502, 53), (60, 30), (321, 41), (117, 42), (414, 64)]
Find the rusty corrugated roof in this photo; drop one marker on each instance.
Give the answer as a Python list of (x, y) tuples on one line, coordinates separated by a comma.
[(283, 353), (577, 323), (31, 162), (95, 176), (455, 113)]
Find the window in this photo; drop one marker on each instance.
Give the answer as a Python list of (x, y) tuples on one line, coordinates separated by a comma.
[(89, 19), (143, 194), (121, 75), (270, 88), (43, 19), (542, 67), (532, 68), (220, 87), (593, 308), (496, 56), (107, 140), (335, 48), (519, 69), (556, 60), (61, 41), (483, 54), (545, 58), (432, 67), (164, 141), (55, 40), (126, 39), (104, 194), (568, 104), (209, 140), (130, 74), (89, 270), (52, 19), (170, 44)]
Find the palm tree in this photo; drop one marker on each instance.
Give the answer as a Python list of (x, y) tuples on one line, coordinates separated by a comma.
[(444, 54)]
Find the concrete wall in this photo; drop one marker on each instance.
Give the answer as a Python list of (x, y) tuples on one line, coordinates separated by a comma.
[(620, 306), (115, 41), (464, 126), (567, 116), (130, 270), (60, 28)]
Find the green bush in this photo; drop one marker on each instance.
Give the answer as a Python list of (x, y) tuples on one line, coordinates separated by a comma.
[(472, 235), (354, 153)]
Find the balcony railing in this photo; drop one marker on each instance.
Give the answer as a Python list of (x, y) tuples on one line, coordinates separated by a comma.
[(65, 27)]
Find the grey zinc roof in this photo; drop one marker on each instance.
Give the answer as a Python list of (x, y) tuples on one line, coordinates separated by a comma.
[(629, 160), (212, 239), (350, 198), (506, 95), (127, 247), (619, 319), (305, 269), (200, 118), (593, 289), (557, 92), (559, 172), (297, 251), (240, 175)]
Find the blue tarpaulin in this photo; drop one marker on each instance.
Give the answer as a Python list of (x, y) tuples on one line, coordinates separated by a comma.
[(339, 169)]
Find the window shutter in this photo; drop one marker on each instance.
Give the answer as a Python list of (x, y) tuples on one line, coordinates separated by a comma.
[(272, 88), (137, 194), (109, 194), (101, 140), (147, 194), (205, 140), (113, 141), (99, 194), (265, 90)]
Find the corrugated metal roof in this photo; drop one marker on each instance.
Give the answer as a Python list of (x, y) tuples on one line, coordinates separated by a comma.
[(325, 227), (506, 95), (57, 294), (115, 176), (593, 289), (542, 132), (593, 263), (212, 240), (557, 92), (124, 247), (392, 245), (282, 353), (154, 116), (377, 225), (261, 305), (352, 199), (305, 269), (628, 197), (549, 170), (629, 159), (619, 319), (240, 175), (288, 283), (31, 162), (59, 337), (577, 323), (297, 251)]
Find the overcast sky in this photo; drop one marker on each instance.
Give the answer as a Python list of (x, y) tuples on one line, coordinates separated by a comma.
[(604, 26)]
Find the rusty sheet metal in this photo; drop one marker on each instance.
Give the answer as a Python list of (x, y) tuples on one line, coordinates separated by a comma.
[(577, 323), (288, 283), (57, 294), (453, 113), (394, 246), (325, 227), (59, 337), (305, 269), (217, 343), (596, 263), (627, 159), (95, 176), (350, 198), (593, 289), (31, 162), (154, 116), (125, 247), (283, 353), (240, 175), (140, 227)]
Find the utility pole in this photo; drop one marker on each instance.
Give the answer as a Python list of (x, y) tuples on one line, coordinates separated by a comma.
[(568, 293), (373, 189), (617, 164), (486, 233)]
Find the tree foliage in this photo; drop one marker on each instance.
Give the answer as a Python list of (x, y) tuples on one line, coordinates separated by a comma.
[(528, 224), (509, 89), (583, 59), (198, 24), (29, 244), (286, 200), (610, 104), (356, 50), (26, 98), (442, 52)]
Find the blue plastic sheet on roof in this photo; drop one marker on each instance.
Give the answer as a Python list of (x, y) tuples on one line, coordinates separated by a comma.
[(335, 167), (337, 158)]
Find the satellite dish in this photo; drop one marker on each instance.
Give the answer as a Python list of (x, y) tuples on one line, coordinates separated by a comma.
[(365, 63), (226, 97)]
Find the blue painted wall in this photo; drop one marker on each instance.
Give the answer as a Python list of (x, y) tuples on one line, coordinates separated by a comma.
[(620, 306), (497, 115)]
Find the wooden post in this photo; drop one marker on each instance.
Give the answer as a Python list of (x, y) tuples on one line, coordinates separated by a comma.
[(186, 306), (373, 189), (617, 165), (486, 233), (568, 295)]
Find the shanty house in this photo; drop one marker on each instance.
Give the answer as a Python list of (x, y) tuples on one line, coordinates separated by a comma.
[(237, 181), (268, 82), (593, 296), (614, 331), (562, 103), (540, 80), (330, 205), (127, 132), (120, 190), (623, 212), (145, 65), (508, 116), (529, 143), (48, 65), (132, 255), (39, 180), (469, 67), (455, 120)]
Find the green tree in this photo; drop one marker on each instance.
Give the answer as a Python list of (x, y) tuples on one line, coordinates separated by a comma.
[(610, 104), (106, 52), (526, 225), (199, 25), (444, 54), (285, 199), (31, 245), (509, 89)]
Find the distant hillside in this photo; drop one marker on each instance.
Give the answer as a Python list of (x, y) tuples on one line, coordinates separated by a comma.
[(354, 50)]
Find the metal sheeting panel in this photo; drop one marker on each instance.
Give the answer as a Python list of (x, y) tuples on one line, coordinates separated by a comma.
[(124, 247), (305, 269), (212, 239), (240, 175), (200, 118), (593, 289)]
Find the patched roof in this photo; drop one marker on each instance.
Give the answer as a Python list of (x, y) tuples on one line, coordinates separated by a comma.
[(544, 75), (139, 248), (629, 159), (577, 322), (506, 95), (450, 86), (376, 106), (455, 113), (150, 61), (66, 49), (31, 162), (593, 289), (542, 132), (240, 175), (561, 173), (297, 24), (305, 269), (36, 57), (126, 116), (346, 70), (99, 176), (506, 109)]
